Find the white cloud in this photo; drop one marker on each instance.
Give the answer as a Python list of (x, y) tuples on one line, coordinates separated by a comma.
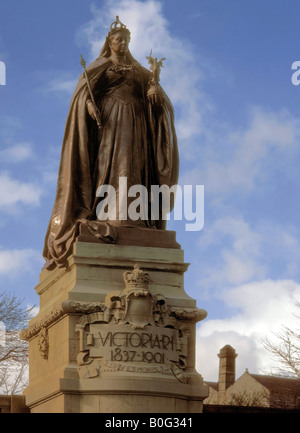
[(18, 260), (62, 84), (241, 157), (16, 153), (239, 253), (13, 192), (263, 308), (245, 252)]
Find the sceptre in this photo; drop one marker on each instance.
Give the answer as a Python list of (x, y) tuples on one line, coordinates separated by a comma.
[(83, 64)]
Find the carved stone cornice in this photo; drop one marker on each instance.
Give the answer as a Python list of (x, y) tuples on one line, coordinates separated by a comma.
[(82, 307), (44, 322), (69, 306), (187, 313), (79, 307)]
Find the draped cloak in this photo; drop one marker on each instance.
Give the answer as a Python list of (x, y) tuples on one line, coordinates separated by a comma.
[(138, 141)]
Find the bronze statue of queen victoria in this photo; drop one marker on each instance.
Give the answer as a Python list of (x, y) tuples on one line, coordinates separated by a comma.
[(125, 130)]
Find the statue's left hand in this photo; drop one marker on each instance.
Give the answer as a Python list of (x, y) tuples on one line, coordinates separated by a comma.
[(156, 98), (155, 95)]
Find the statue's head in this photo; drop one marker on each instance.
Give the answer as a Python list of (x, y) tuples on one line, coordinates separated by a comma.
[(118, 37)]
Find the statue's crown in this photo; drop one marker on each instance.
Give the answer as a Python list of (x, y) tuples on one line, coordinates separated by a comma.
[(117, 25), (136, 278)]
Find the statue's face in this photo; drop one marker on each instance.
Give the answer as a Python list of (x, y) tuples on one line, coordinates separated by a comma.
[(119, 43)]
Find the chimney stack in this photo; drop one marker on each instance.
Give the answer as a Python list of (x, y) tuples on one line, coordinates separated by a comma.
[(227, 357)]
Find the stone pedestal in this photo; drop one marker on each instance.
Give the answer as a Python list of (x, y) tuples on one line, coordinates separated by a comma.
[(116, 331)]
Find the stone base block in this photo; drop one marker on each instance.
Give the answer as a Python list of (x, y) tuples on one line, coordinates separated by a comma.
[(115, 333)]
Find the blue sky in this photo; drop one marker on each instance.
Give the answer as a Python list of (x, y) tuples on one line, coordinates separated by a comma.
[(228, 73)]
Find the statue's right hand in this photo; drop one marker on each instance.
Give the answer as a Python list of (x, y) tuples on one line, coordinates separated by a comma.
[(92, 109), (94, 112)]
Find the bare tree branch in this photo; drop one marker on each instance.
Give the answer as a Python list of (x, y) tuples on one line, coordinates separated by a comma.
[(13, 351), (286, 350)]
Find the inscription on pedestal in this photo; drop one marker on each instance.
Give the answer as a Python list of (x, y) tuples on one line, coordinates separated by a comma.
[(159, 346)]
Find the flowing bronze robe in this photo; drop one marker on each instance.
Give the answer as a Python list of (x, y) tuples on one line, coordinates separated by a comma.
[(138, 140)]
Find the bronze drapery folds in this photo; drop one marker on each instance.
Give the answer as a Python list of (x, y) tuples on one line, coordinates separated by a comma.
[(137, 140)]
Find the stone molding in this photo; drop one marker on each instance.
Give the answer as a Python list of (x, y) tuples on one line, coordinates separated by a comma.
[(192, 314)]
